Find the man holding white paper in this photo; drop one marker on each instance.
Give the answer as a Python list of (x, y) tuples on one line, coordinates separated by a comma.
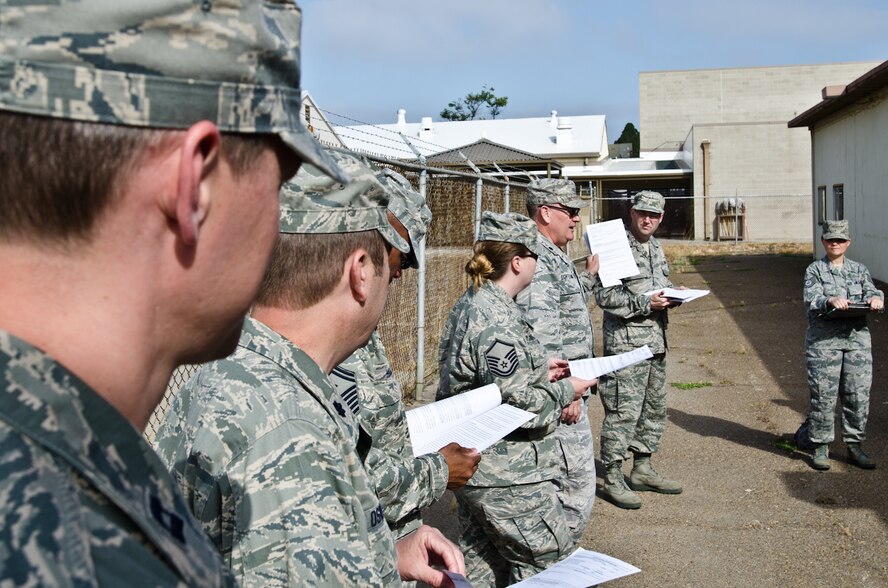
[(556, 305), (365, 381), (634, 397)]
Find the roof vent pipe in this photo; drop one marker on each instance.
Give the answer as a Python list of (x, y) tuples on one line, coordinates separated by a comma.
[(554, 118), (564, 132), (402, 117)]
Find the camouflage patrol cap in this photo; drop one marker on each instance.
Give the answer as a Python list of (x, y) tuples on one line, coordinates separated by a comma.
[(161, 64), (649, 201), (836, 229), (312, 202), (554, 191), (510, 227), (408, 206)]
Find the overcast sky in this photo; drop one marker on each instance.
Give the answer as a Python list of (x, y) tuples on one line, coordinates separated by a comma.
[(365, 59)]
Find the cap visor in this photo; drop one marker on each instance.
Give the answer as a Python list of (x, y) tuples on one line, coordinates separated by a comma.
[(310, 151), (394, 239)]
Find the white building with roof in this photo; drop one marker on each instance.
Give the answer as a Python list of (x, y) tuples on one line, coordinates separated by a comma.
[(575, 140), (849, 139)]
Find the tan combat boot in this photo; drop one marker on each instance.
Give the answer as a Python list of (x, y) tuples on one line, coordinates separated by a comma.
[(821, 457), (615, 490), (858, 457), (644, 478)]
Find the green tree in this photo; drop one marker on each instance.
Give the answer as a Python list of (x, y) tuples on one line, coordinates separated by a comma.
[(474, 104), (631, 135)]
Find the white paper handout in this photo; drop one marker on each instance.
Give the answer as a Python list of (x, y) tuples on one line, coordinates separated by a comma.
[(608, 240), (677, 295), (476, 419), (593, 367), (581, 569)]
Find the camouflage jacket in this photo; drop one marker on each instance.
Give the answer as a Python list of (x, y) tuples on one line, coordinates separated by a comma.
[(403, 483), (851, 281), (489, 342), (556, 304), (85, 500), (629, 321), (270, 462)]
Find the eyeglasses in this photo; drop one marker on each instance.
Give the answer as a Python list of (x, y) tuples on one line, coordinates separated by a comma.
[(407, 260), (570, 212)]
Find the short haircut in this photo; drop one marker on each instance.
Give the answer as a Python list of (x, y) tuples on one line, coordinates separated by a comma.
[(491, 259), (532, 209), (305, 268), (57, 177)]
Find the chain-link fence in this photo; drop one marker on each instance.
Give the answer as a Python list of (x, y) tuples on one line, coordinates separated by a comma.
[(412, 323), (775, 217)]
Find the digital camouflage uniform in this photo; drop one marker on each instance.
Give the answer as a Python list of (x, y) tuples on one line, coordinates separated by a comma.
[(634, 397), (85, 500), (269, 456), (512, 524), (838, 352), (365, 380), (269, 459), (403, 483), (556, 306)]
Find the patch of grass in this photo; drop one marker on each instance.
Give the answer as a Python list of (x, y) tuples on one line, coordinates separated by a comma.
[(785, 446), (690, 385)]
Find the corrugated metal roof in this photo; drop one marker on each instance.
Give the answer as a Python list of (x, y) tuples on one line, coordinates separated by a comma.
[(874, 80), (485, 151)]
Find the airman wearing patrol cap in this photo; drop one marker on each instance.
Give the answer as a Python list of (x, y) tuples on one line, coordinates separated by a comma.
[(487, 341), (143, 147), (270, 423), (366, 382), (556, 305), (838, 348), (634, 398)]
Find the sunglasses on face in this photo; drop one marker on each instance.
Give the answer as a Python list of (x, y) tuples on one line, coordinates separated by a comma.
[(570, 212)]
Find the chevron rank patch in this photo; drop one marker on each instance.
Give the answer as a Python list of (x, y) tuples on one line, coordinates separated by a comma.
[(344, 382), (501, 358)]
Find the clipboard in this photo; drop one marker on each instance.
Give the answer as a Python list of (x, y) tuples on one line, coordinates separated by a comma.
[(854, 310)]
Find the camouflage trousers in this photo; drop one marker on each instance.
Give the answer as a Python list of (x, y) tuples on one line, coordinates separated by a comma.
[(509, 534), (634, 400), (576, 477), (832, 374)]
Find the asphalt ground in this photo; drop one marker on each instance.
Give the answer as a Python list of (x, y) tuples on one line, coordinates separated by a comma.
[(753, 512)]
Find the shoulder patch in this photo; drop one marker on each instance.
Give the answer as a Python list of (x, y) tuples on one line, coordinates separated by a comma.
[(501, 358), (344, 382)]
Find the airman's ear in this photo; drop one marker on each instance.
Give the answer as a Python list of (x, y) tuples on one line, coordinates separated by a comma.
[(360, 270), (200, 153)]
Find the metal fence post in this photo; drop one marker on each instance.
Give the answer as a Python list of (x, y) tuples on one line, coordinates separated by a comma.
[(419, 251), (419, 387), (479, 185)]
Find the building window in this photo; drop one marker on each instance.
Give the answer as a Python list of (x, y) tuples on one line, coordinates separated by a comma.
[(821, 204), (838, 201)]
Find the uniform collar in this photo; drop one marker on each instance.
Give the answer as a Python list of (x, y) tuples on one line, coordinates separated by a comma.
[(261, 339)]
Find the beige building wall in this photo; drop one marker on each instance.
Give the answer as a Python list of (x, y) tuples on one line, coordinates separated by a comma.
[(851, 149), (671, 102), (768, 166), (743, 113)]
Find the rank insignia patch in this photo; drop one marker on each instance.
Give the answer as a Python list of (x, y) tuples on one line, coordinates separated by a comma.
[(501, 359)]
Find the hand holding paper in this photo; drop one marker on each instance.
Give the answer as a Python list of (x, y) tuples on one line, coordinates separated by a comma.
[(593, 367), (476, 418), (609, 241), (676, 295)]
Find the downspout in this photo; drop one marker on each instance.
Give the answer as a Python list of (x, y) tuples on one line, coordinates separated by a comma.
[(707, 226)]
